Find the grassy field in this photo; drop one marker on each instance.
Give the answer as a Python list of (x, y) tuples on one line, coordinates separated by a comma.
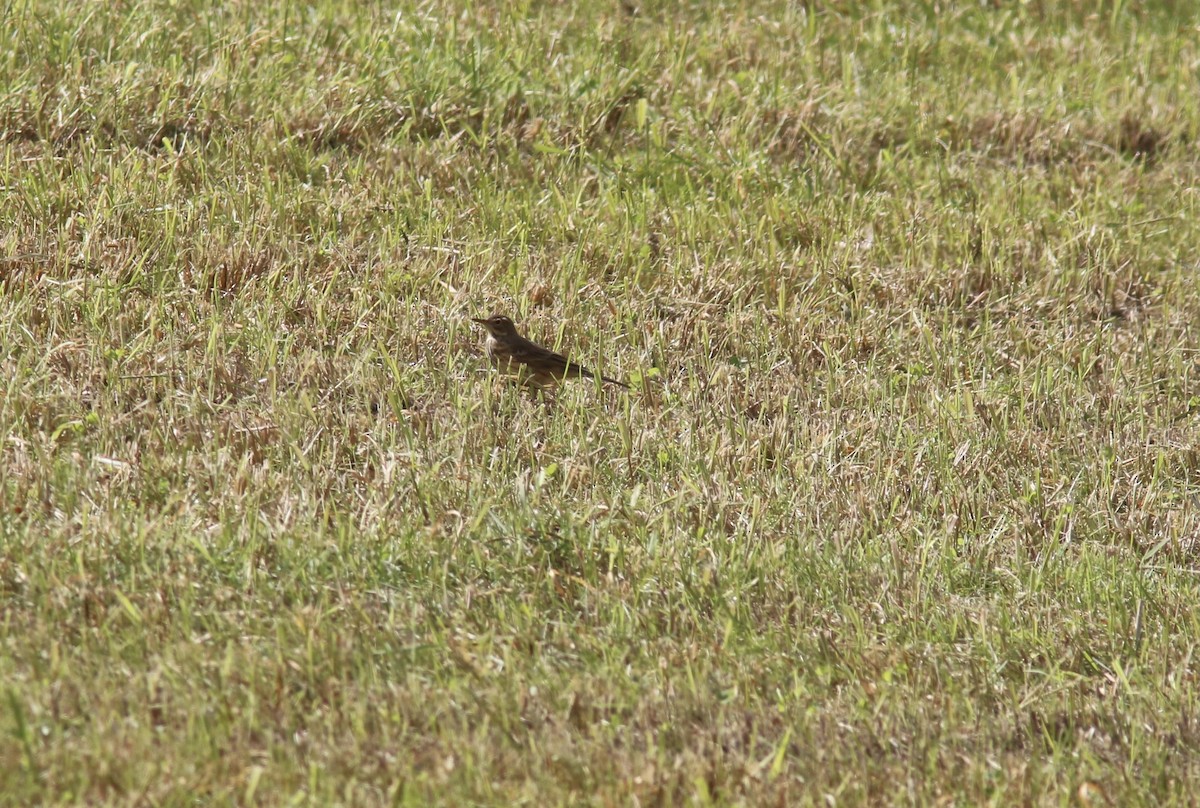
[(901, 508)]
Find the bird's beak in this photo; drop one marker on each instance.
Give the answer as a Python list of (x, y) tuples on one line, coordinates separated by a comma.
[(479, 320)]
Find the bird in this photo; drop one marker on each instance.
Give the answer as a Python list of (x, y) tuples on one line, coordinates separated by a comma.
[(534, 365)]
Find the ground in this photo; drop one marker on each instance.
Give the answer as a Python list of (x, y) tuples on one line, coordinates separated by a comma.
[(900, 509)]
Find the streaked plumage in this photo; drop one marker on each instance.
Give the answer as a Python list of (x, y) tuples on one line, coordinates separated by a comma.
[(525, 359)]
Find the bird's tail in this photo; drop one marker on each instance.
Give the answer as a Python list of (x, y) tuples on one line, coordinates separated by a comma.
[(582, 371)]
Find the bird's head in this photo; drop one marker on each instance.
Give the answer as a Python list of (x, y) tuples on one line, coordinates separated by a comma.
[(497, 324)]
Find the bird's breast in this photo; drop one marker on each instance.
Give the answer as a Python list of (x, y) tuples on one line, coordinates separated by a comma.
[(498, 356)]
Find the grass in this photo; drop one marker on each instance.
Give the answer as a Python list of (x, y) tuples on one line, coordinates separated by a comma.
[(901, 508)]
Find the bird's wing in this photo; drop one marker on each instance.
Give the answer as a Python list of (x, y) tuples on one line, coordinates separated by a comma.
[(533, 354)]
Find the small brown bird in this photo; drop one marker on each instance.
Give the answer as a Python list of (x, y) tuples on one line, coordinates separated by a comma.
[(530, 362)]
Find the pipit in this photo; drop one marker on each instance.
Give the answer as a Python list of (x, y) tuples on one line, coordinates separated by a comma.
[(531, 363)]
